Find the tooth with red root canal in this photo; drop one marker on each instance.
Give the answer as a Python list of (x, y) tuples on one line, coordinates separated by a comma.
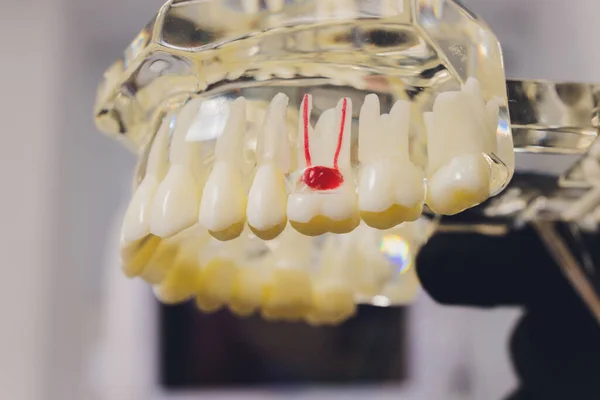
[(136, 223), (391, 188), (267, 200), (175, 205), (324, 199), (223, 205), (461, 129)]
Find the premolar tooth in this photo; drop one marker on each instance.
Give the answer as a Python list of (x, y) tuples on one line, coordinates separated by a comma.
[(223, 204), (267, 199), (459, 132), (136, 222), (391, 188), (175, 205), (325, 198)]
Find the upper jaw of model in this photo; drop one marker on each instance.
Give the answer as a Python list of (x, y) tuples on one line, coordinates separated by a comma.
[(326, 193)]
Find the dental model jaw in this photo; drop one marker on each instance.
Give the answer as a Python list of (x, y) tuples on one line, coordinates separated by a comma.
[(267, 199), (391, 188), (223, 204), (324, 199), (460, 130)]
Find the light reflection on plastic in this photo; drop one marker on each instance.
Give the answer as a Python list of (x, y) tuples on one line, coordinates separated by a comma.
[(397, 251)]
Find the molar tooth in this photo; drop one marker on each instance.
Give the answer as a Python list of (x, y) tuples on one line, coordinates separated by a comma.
[(459, 132), (391, 188), (136, 222), (223, 204), (325, 198), (267, 199), (175, 205)]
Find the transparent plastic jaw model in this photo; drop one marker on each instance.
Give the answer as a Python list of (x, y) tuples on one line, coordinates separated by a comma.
[(288, 149)]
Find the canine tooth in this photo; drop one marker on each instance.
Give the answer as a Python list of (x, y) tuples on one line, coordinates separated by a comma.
[(223, 204), (136, 222), (325, 198), (459, 132), (161, 262), (267, 199), (287, 294), (391, 188), (175, 205)]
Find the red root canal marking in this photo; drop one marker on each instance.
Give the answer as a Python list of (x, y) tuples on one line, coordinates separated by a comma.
[(320, 177)]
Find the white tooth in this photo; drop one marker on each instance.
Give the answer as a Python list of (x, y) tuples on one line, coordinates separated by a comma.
[(267, 199), (223, 205), (175, 206), (460, 130), (136, 223), (460, 184), (325, 198), (390, 189)]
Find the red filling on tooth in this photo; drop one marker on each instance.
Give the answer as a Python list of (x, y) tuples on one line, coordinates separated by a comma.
[(320, 177)]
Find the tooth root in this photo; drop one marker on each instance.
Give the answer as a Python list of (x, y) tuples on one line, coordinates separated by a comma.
[(223, 204), (458, 135), (136, 222), (390, 189), (267, 199), (325, 200)]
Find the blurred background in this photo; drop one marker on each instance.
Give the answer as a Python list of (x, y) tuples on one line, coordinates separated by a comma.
[(73, 328)]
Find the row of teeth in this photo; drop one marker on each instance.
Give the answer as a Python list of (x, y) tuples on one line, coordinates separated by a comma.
[(282, 285), (180, 192)]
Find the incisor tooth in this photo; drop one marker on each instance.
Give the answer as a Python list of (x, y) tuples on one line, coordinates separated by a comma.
[(391, 188), (325, 198), (175, 205), (223, 204), (136, 222), (267, 199), (460, 131)]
